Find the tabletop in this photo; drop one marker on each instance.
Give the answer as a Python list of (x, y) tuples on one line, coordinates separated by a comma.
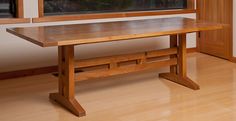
[(77, 34)]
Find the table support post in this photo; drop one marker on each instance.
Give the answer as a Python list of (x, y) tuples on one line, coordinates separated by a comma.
[(178, 73), (66, 84), (173, 43)]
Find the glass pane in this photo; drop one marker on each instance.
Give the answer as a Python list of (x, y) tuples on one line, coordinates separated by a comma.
[(7, 8), (57, 7)]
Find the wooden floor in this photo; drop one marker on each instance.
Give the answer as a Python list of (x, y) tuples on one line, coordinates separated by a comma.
[(134, 97)]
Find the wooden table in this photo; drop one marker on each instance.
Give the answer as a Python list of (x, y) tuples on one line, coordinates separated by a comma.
[(67, 36)]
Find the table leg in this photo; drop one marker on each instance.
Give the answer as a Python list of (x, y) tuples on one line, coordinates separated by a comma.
[(173, 43), (178, 73), (66, 94)]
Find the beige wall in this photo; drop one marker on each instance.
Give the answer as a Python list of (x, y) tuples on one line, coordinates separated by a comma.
[(18, 54)]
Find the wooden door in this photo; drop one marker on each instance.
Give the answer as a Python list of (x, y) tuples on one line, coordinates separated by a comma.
[(217, 43)]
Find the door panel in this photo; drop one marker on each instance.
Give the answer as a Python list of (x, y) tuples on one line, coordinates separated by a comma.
[(217, 43)]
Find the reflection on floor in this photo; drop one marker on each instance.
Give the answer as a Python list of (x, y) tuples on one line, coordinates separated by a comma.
[(133, 97)]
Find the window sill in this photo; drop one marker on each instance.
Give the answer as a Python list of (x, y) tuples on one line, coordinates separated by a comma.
[(110, 15), (14, 20)]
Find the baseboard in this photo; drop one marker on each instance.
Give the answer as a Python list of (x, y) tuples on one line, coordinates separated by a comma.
[(191, 50), (27, 72), (233, 59), (44, 70)]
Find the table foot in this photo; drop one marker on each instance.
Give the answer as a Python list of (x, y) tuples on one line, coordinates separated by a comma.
[(71, 104), (184, 81)]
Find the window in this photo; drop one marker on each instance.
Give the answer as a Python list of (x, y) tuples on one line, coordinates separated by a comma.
[(11, 11), (65, 10), (8, 9), (62, 7)]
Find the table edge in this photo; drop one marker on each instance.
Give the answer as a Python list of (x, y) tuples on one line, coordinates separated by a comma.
[(113, 38)]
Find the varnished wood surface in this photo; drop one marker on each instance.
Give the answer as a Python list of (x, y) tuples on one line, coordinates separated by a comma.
[(132, 97), (124, 57), (124, 70), (218, 43), (66, 83), (110, 31), (116, 65), (14, 20), (173, 43), (67, 36), (179, 74), (125, 63), (20, 8), (45, 70)]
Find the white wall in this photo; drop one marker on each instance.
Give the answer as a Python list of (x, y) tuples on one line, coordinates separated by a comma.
[(16, 53)]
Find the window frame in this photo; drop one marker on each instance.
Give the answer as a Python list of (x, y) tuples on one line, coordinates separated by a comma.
[(190, 9), (20, 15)]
